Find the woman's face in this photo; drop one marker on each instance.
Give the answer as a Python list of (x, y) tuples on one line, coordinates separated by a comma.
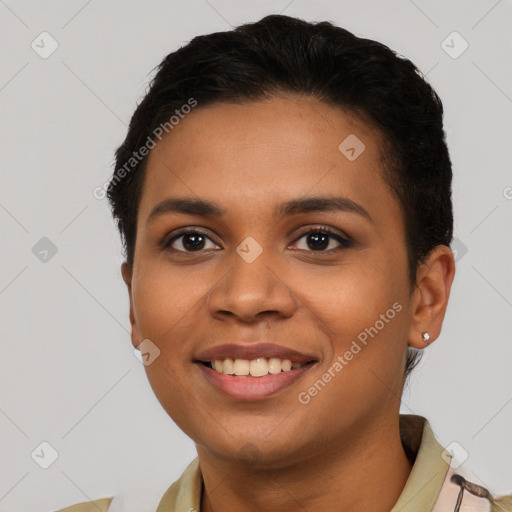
[(254, 275)]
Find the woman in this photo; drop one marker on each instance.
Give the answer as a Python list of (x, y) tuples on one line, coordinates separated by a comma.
[(284, 199)]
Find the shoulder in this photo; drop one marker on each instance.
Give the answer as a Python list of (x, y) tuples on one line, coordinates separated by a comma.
[(438, 478), (467, 496), (183, 495), (101, 505)]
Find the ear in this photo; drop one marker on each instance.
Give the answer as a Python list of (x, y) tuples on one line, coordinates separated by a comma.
[(430, 298), (127, 273)]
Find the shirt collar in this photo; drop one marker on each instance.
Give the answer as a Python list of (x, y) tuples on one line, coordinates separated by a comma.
[(429, 469), (420, 492)]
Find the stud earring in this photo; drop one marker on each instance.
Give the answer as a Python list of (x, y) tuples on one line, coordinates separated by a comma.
[(425, 336)]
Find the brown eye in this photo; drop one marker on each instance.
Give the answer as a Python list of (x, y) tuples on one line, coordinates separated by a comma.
[(189, 241), (321, 240)]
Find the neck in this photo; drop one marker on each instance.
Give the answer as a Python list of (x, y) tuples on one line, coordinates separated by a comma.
[(363, 471)]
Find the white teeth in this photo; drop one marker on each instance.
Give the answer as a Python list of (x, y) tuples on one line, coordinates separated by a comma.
[(228, 366), (241, 366), (274, 365), (255, 368), (258, 367)]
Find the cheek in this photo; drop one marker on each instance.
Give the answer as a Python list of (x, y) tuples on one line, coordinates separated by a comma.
[(365, 369), (363, 314), (167, 307), (167, 310), (348, 299), (167, 301)]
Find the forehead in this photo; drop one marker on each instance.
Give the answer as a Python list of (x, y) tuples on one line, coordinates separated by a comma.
[(257, 153)]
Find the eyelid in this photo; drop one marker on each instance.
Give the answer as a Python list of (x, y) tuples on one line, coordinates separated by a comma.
[(323, 228), (342, 238), (168, 240)]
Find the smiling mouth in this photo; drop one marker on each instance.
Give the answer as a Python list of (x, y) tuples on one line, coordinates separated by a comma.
[(259, 367)]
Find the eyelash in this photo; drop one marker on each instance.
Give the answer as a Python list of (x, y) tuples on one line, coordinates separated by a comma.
[(345, 243)]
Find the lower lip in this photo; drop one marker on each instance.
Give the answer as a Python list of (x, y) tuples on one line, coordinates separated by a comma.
[(253, 388)]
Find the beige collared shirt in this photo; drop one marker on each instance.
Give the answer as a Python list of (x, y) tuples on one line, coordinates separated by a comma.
[(428, 489)]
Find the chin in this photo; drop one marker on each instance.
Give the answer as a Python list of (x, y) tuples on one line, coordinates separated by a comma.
[(266, 453)]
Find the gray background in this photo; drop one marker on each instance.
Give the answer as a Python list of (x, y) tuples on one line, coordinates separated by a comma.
[(68, 373)]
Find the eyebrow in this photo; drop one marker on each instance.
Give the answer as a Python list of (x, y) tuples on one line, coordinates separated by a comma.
[(204, 208)]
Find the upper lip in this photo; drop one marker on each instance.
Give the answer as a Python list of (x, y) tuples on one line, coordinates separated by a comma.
[(253, 351)]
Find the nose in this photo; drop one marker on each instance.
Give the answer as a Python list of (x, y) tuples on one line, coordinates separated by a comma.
[(251, 292)]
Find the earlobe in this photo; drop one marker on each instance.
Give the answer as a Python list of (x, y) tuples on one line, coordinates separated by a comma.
[(430, 298)]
